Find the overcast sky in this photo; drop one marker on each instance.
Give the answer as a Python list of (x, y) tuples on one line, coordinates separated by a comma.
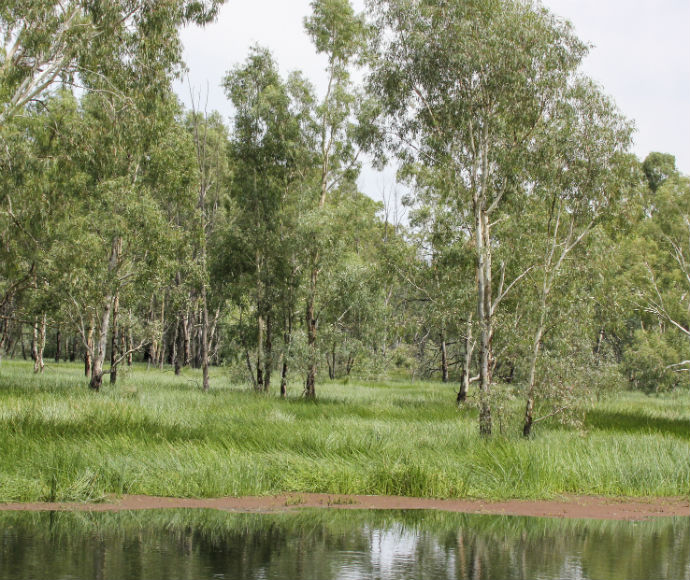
[(640, 56)]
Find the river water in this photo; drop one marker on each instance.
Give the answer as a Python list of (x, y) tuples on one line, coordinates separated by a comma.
[(336, 544)]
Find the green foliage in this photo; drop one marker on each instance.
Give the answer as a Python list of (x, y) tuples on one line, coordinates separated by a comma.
[(649, 360), (658, 167)]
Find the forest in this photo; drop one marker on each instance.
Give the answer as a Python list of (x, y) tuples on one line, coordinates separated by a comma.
[(530, 258)]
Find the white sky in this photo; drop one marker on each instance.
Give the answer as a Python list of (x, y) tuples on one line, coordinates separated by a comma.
[(640, 55)]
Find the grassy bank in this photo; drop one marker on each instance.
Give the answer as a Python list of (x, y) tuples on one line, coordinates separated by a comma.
[(157, 434)]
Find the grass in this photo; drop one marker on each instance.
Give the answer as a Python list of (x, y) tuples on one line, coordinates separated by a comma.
[(158, 434)]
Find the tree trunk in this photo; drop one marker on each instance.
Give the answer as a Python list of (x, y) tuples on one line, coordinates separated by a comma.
[(88, 354), (310, 384), (331, 363), (467, 366), (484, 314), (268, 358), (194, 339), (34, 342), (204, 339), (58, 345), (3, 338), (101, 344), (130, 341), (161, 353), (174, 352), (350, 363), (39, 343), (260, 353), (250, 369), (536, 345), (114, 342), (529, 407), (213, 337), (444, 359), (261, 324), (107, 305), (186, 338), (283, 378), (287, 342)]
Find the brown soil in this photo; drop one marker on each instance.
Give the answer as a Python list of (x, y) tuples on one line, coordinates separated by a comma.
[(566, 507)]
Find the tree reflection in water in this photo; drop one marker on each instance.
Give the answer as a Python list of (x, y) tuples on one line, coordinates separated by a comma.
[(346, 545)]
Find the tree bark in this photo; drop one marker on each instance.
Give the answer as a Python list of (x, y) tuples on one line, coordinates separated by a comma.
[(39, 343), (287, 342), (214, 337), (331, 362), (58, 345), (161, 353), (268, 358), (467, 366), (350, 363), (34, 342), (529, 407), (130, 341), (186, 338), (204, 339), (3, 338), (114, 342), (444, 359), (310, 383), (175, 351), (484, 315), (107, 305), (88, 353), (260, 354)]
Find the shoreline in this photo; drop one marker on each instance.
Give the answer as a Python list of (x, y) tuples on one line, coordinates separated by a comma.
[(567, 507)]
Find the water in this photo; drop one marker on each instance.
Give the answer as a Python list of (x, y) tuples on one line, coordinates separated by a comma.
[(347, 545)]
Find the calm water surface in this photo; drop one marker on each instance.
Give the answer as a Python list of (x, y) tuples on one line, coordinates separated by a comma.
[(345, 545)]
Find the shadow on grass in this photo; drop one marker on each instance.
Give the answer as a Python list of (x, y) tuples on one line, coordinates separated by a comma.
[(637, 423)]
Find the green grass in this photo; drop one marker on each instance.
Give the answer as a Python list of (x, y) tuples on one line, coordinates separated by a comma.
[(158, 434)]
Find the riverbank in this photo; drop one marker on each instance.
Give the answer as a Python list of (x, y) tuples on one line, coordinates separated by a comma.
[(155, 434), (573, 507)]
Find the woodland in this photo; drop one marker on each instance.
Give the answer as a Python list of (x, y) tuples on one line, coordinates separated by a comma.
[(539, 264)]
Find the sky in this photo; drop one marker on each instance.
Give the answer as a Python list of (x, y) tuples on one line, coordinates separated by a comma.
[(640, 55)]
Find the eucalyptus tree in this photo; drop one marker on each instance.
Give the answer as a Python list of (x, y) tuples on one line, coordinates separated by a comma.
[(273, 159), (123, 55), (354, 305), (46, 43), (441, 278), (211, 176), (579, 179), (114, 242), (658, 257), (464, 86), (340, 35), (39, 178)]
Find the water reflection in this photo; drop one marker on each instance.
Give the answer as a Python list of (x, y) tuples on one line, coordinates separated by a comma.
[(345, 545)]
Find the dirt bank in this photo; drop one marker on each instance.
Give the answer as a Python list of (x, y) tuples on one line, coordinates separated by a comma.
[(566, 507)]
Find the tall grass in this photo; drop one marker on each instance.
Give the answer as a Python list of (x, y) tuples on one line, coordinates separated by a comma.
[(158, 434)]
